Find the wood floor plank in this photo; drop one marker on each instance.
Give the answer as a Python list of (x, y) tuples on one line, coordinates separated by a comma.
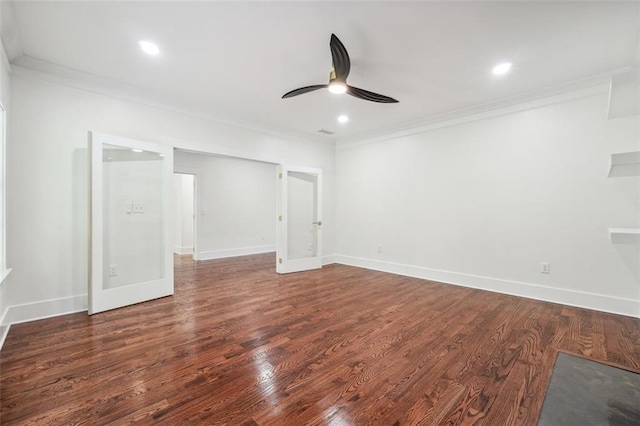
[(240, 344)]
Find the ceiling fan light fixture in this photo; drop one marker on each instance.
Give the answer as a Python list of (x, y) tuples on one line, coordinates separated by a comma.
[(337, 87), (338, 78)]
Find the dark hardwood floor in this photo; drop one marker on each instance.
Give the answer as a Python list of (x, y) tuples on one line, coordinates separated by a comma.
[(239, 344)]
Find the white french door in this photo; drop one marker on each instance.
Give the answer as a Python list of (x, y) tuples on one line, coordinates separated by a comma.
[(299, 219), (131, 258)]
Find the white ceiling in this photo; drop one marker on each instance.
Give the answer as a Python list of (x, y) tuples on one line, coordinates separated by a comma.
[(234, 60)]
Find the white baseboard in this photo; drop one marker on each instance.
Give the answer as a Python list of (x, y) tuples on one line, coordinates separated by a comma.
[(598, 302), (182, 250), (17, 314), (50, 308), (244, 251)]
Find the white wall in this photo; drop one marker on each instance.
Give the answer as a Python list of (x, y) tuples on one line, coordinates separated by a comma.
[(5, 78), (478, 204), (48, 177), (183, 214), (482, 204), (237, 204)]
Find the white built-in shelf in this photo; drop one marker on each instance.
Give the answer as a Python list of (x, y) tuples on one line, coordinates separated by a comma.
[(625, 164), (624, 235), (623, 95), (624, 102)]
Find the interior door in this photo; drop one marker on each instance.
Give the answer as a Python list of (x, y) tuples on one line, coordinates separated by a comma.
[(131, 254), (299, 219)]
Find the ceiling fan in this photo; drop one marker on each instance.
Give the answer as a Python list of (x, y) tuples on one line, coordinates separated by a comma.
[(338, 78)]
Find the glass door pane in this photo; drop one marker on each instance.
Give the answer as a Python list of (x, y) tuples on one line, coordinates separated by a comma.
[(133, 219), (131, 259), (300, 224)]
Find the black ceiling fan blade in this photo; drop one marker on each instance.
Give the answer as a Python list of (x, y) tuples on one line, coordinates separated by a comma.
[(341, 61), (303, 90), (369, 96)]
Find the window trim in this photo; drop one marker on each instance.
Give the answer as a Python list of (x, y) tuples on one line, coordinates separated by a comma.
[(4, 271)]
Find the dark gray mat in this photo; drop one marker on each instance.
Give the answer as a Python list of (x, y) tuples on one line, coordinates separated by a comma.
[(586, 393)]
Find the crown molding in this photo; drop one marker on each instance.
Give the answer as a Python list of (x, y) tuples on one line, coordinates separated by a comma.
[(27, 67), (5, 59), (552, 95), (32, 68)]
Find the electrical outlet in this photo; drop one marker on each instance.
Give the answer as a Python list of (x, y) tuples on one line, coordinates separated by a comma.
[(544, 268), (113, 271), (138, 207)]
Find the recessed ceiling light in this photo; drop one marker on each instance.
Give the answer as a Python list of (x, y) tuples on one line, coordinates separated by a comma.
[(149, 48), (343, 119), (161, 155), (136, 150), (503, 68), (337, 87)]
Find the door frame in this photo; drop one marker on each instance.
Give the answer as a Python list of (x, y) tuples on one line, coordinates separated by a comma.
[(197, 196)]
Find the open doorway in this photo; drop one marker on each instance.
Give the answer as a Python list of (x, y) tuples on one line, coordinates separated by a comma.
[(184, 189), (248, 207), (234, 206)]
